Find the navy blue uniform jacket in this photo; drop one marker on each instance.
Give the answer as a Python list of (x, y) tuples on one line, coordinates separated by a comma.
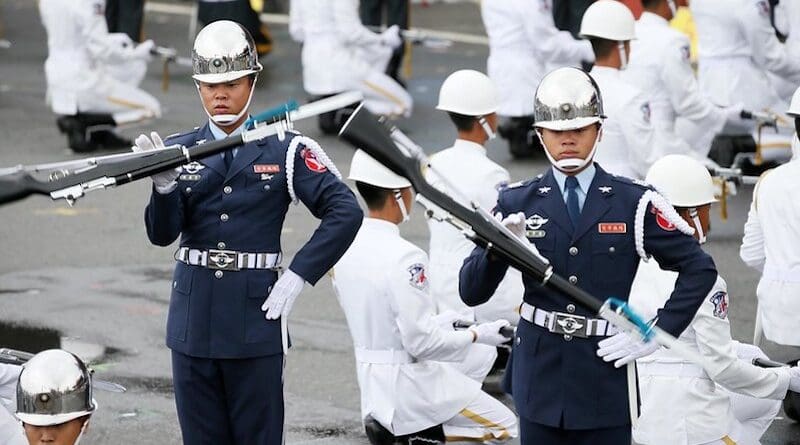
[(222, 317), (563, 383)]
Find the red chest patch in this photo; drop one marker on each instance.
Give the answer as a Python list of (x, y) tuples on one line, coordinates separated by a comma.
[(312, 162), (617, 227), (266, 168)]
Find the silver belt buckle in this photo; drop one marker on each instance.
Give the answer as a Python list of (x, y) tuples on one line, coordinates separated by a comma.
[(569, 324), (222, 260)]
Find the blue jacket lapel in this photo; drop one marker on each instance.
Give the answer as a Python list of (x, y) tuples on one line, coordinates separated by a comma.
[(556, 209), (245, 156), (214, 162)]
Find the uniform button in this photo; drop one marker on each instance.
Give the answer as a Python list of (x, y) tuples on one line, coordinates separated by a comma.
[(567, 337), (570, 308), (218, 274), (519, 340), (573, 250), (188, 189), (573, 279), (228, 189), (611, 249), (220, 245), (223, 217), (266, 187), (174, 284)]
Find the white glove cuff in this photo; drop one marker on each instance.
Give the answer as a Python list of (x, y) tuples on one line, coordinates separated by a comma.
[(166, 189)]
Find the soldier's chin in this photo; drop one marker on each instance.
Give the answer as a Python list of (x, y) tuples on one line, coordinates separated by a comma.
[(569, 164)]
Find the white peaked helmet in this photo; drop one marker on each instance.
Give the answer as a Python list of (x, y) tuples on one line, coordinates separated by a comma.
[(223, 51), (54, 387), (468, 92), (364, 168), (794, 107), (610, 20), (683, 180)]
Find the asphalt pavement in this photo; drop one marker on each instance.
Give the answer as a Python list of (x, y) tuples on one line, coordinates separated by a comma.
[(85, 276)]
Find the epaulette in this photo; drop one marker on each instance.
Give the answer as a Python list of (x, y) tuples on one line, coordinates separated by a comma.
[(518, 184), (178, 135), (631, 181)]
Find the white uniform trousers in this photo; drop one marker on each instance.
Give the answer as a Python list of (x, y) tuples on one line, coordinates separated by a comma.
[(382, 94), (485, 420), (117, 93)]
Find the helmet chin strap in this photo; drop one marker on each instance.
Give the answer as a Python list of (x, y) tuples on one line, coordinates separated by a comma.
[(672, 7), (80, 434), (227, 119), (701, 236), (623, 57), (487, 128), (570, 165), (398, 196)]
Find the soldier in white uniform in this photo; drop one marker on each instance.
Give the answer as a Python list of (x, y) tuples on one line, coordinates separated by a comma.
[(340, 54), (470, 101), (787, 22), (771, 237), (93, 76), (737, 48), (11, 432), (524, 44), (681, 402), (660, 65), (630, 143), (400, 345)]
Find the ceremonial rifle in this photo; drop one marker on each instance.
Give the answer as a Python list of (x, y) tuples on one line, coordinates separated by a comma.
[(70, 180)]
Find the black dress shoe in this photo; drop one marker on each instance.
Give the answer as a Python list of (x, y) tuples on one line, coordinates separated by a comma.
[(109, 140), (75, 130)]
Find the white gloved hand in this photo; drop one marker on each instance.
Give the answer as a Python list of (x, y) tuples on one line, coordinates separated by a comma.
[(514, 222), (285, 291), (164, 181), (143, 50), (624, 348), (391, 37), (489, 333), (794, 380), (447, 318)]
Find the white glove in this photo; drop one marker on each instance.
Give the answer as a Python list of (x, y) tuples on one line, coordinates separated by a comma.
[(794, 380), (514, 222), (446, 318), (280, 301), (164, 181), (624, 348), (489, 333), (142, 50), (391, 37)]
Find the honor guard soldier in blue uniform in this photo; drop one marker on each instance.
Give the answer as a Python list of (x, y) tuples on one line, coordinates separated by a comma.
[(227, 354), (593, 227)]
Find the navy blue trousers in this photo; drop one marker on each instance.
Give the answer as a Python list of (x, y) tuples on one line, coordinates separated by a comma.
[(538, 434), (229, 401)]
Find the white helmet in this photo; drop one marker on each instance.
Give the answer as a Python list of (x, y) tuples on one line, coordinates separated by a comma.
[(683, 180), (223, 51), (468, 92), (794, 107), (54, 387), (567, 99), (364, 168), (610, 20)]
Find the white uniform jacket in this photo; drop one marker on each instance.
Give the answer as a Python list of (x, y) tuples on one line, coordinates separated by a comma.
[(337, 48), (81, 52), (381, 282), (630, 144), (737, 47), (771, 237), (477, 179), (524, 44), (11, 432), (787, 21), (660, 66), (681, 404)]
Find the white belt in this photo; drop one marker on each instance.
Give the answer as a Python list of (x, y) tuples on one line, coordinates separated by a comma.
[(567, 324), (383, 356), (671, 370), (787, 275), (227, 259)]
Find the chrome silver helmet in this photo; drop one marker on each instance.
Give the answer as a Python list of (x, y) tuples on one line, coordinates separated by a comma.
[(223, 51), (54, 387), (567, 99)]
